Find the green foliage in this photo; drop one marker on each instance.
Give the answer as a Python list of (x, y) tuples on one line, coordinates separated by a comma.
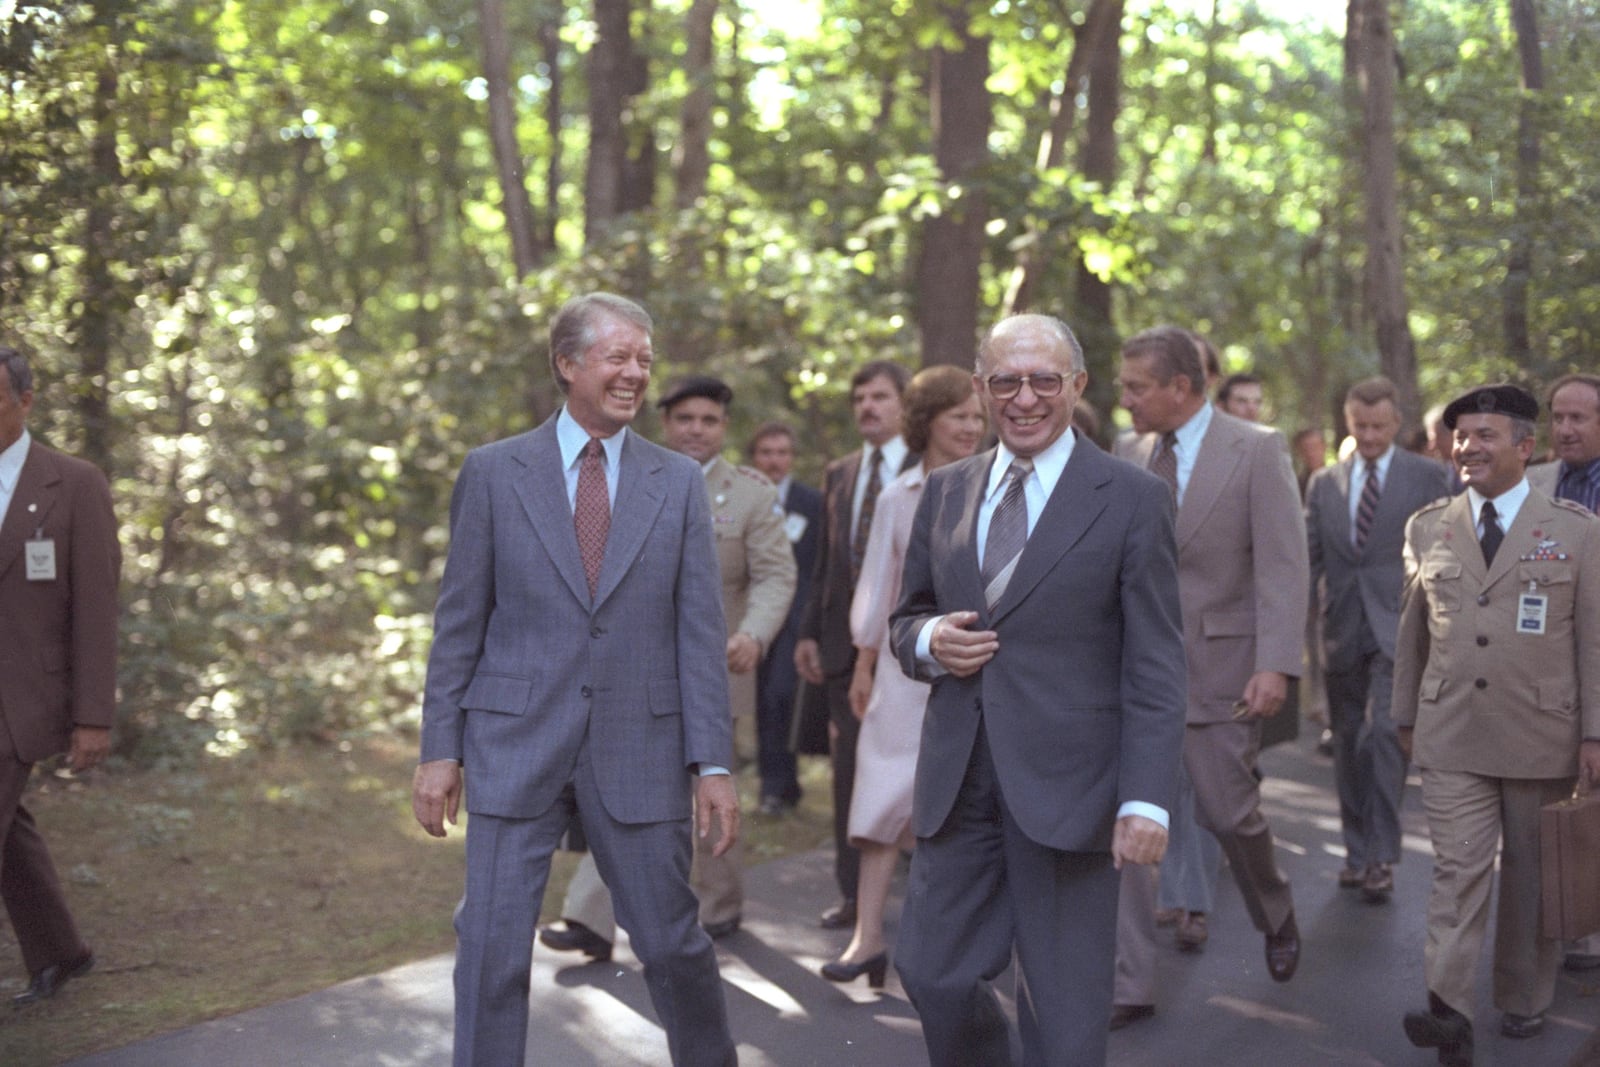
[(313, 315)]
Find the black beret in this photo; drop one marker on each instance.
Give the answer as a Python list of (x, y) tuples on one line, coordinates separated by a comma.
[(696, 385), (1510, 400)]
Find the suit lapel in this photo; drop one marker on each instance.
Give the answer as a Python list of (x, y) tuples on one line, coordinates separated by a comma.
[(964, 538), (640, 494), (1220, 453), (1072, 508), (541, 485), (38, 485), (1344, 544)]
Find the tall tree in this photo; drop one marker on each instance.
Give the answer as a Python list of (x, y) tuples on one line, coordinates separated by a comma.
[(952, 240), (1099, 164), (1519, 256), (611, 57), (1385, 273), (693, 155), (514, 202)]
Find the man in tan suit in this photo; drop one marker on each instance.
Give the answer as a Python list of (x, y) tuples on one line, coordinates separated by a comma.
[(1497, 699), (1243, 581), (59, 568), (758, 581)]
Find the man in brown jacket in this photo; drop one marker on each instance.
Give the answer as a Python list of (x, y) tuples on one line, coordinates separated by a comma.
[(59, 567), (1497, 699)]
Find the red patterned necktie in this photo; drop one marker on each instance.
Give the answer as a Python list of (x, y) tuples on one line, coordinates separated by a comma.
[(591, 511), (1367, 506)]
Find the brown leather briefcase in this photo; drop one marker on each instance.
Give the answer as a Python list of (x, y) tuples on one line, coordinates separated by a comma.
[(1569, 867)]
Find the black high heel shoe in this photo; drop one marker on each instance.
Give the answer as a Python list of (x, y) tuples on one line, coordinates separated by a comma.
[(874, 967)]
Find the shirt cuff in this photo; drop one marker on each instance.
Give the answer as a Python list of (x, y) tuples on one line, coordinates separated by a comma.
[(1149, 811), (925, 650), (706, 770)]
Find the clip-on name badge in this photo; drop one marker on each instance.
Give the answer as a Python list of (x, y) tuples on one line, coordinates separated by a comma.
[(39, 557), (1532, 610)]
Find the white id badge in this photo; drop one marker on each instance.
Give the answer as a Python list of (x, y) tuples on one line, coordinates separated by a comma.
[(40, 556), (1532, 609), (795, 527)]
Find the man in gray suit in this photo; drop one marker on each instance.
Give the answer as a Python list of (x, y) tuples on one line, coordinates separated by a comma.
[(1040, 599), (577, 669), (1356, 514)]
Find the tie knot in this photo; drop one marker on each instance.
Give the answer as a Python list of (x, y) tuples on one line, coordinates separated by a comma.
[(1372, 468), (1489, 514), (1169, 440), (1021, 467), (594, 449)]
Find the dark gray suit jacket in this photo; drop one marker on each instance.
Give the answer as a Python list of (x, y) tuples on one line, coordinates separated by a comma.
[(523, 667), (1084, 702), (1362, 589)]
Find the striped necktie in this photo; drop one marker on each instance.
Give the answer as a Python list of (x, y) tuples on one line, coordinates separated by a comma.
[(869, 505), (1367, 506), (1164, 463), (1008, 534)]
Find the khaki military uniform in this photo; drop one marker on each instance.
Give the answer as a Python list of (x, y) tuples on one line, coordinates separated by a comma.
[(1497, 669), (758, 580)]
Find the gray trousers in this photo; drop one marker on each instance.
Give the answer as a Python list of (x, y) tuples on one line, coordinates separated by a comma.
[(1368, 769)]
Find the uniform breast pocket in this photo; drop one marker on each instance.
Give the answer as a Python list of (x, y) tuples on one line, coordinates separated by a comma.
[(1551, 579), (1442, 580)]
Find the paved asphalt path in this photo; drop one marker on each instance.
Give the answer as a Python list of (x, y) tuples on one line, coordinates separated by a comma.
[(1361, 970)]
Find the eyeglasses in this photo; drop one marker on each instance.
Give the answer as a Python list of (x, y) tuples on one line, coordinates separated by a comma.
[(1006, 386)]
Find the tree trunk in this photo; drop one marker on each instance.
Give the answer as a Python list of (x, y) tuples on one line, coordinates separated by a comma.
[(550, 45), (1385, 281), (1033, 260), (1519, 257), (609, 61), (514, 201), (91, 398), (952, 247), (694, 136), (1099, 163)]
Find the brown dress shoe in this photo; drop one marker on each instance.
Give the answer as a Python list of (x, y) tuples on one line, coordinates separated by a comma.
[(1283, 951), (50, 979), (1352, 877), (1168, 916), (1191, 934)]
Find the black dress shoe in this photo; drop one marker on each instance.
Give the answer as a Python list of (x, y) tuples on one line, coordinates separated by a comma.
[(576, 938), (724, 928), (874, 967), (775, 806), (839, 917), (1283, 951), (1443, 1028), (1128, 1014), (1514, 1025), (1578, 962), (50, 979)]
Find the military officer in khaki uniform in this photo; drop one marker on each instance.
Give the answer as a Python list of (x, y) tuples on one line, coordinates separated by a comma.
[(1497, 699), (758, 582)]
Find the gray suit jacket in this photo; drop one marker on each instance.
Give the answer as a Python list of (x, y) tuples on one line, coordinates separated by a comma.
[(1083, 703), (1241, 563), (524, 668), (1360, 590)]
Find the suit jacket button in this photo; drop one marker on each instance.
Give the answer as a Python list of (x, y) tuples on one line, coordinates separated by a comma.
[(1483, 600), (1482, 683), (1482, 641), (596, 631), (587, 692)]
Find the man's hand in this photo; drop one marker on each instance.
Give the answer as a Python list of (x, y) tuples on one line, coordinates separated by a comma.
[(1588, 766), (959, 650), (808, 660), (1264, 694), (714, 795), (436, 794), (1136, 839), (90, 747), (861, 682), (1403, 735), (744, 652)]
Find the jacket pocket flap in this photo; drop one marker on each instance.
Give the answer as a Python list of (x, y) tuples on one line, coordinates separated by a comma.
[(665, 698), (1545, 572), (1229, 624), (1435, 570), (498, 692)]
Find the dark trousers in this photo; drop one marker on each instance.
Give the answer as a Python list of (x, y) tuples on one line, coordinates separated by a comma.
[(776, 684), (979, 889), (29, 884), (846, 859)]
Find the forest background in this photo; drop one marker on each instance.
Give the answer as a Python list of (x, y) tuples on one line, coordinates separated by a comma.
[(280, 263)]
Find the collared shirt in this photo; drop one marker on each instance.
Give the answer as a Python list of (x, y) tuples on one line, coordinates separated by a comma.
[(783, 492), (892, 455), (1506, 506), (1190, 434), (11, 461), (573, 439), (1581, 485), (1036, 487), (1358, 481)]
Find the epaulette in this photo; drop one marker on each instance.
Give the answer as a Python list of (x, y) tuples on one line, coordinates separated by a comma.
[(754, 475), (1572, 506), (1432, 505)]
